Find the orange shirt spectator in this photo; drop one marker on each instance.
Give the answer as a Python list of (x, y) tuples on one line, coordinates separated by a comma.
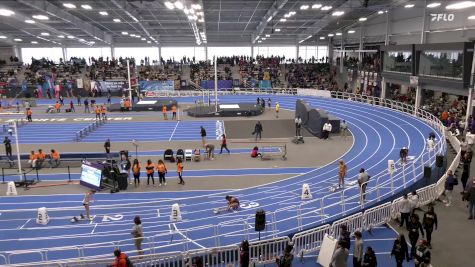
[(57, 105), (161, 168), (55, 155), (174, 109), (29, 112), (179, 167), (444, 116), (136, 168), (164, 109)]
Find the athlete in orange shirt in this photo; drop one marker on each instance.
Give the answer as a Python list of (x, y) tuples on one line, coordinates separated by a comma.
[(164, 111), (98, 112), (174, 112), (179, 170), (162, 170), (136, 171), (29, 112)]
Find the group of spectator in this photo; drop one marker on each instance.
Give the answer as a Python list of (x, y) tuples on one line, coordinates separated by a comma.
[(36, 159)]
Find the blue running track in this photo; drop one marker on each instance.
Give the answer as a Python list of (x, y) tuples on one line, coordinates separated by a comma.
[(379, 134)]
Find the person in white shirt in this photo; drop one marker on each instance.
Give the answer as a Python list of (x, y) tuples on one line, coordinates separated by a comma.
[(137, 233), (414, 200), (298, 126), (358, 251), (327, 128), (363, 178), (405, 210)]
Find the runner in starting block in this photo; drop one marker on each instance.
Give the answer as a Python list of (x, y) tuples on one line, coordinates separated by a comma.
[(233, 204)]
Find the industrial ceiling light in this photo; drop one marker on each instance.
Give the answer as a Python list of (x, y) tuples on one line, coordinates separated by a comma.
[(432, 5), (34, 42), (143, 39), (277, 30), (88, 7), (125, 33), (116, 20), (179, 5), (70, 37), (81, 40), (362, 19), (283, 20), (104, 13), (92, 42), (17, 40), (380, 12), (471, 17), (461, 5), (61, 36), (409, 6), (45, 34), (30, 21), (338, 13), (138, 36), (325, 8), (132, 35), (267, 35), (287, 15), (322, 38), (351, 31), (69, 5), (40, 17), (259, 41), (3, 37), (196, 6), (263, 39), (169, 5), (316, 6), (304, 7), (292, 13), (6, 12), (331, 35), (338, 34)]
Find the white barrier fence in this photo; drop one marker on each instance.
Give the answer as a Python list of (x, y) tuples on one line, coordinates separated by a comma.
[(264, 252)]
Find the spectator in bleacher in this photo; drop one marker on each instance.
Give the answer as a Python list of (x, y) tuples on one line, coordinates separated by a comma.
[(405, 210), (358, 250), (369, 258), (422, 254), (54, 158), (429, 221), (8, 147), (414, 227), (39, 158), (340, 256), (400, 250)]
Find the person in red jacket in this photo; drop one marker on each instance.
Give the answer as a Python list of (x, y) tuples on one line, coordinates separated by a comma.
[(120, 259)]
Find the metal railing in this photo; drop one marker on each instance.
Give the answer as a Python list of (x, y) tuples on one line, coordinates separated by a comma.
[(307, 241), (89, 129)]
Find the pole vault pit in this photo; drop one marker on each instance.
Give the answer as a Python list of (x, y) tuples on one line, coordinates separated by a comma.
[(226, 110), (148, 104)]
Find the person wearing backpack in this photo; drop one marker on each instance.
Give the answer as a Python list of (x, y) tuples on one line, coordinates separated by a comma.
[(428, 222), (450, 182)]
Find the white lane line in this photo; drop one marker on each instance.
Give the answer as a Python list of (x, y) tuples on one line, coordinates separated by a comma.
[(176, 126), (94, 229), (25, 224)]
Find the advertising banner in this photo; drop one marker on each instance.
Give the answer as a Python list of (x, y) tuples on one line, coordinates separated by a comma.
[(168, 85), (112, 85)]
